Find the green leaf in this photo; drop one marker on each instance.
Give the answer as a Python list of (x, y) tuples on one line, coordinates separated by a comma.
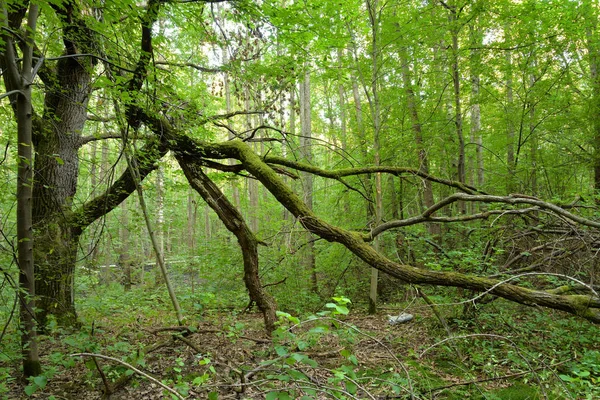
[(40, 381), (281, 351), (30, 389), (351, 387), (272, 396)]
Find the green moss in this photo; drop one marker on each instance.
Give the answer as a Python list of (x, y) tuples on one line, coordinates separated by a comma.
[(518, 391)]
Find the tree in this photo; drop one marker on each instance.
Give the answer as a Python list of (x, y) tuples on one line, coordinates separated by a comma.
[(156, 112), (21, 81)]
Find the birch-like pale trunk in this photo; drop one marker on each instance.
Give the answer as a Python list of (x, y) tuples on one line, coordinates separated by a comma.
[(308, 259), (475, 160), (458, 117), (343, 123), (124, 255), (160, 224), (510, 126), (235, 191), (375, 107)]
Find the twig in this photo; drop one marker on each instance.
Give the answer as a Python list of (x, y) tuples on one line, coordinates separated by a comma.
[(497, 378), (188, 342), (275, 283), (131, 367), (108, 391)]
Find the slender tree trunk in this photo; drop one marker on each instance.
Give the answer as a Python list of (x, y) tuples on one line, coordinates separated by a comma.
[(191, 221), (593, 46), (375, 106), (134, 168), (95, 230), (343, 125), (160, 224), (510, 125), (533, 143), (124, 254), (476, 160), (510, 129), (461, 170), (411, 103), (308, 258), (342, 106), (252, 184), (234, 186), (106, 239), (360, 125), (22, 81)]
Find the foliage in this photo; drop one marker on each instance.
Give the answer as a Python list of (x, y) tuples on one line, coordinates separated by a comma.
[(230, 69)]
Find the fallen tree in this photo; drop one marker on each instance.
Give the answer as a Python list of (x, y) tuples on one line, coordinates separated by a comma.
[(586, 306)]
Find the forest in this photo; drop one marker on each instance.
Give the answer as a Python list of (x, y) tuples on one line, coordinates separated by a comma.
[(285, 199)]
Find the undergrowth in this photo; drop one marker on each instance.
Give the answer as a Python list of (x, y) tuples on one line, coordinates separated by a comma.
[(497, 351)]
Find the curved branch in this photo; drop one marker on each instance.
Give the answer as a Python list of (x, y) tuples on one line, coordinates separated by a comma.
[(191, 65), (87, 139), (512, 199), (462, 218), (341, 173)]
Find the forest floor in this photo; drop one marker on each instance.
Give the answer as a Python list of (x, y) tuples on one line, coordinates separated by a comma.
[(226, 355)]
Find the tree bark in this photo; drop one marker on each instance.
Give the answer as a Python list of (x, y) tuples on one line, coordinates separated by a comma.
[(593, 47)]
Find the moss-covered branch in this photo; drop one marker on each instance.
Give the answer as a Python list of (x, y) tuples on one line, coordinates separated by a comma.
[(338, 174), (147, 158)]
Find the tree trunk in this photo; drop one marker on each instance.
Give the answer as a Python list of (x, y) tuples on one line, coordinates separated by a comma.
[(343, 126), (375, 107), (252, 185), (55, 185), (234, 185), (586, 306), (56, 139), (475, 160), (21, 81), (235, 223), (160, 225), (593, 47), (458, 123), (510, 125), (308, 258), (124, 255), (434, 229)]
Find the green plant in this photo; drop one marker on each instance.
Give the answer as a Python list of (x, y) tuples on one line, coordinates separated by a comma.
[(583, 379)]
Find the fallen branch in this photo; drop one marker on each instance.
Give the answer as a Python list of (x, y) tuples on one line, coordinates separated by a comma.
[(496, 378)]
